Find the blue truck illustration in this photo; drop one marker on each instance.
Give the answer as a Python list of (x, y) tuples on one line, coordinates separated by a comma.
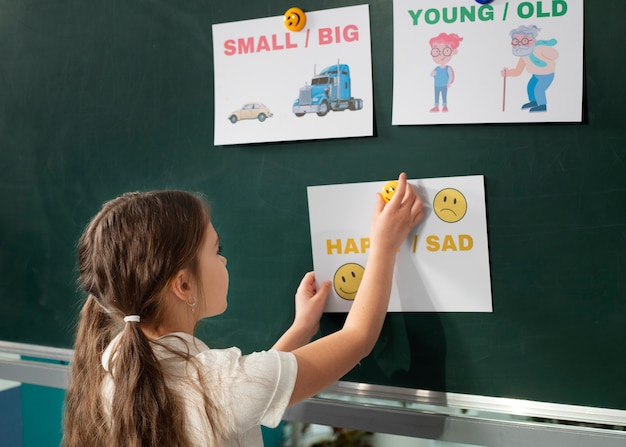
[(329, 90)]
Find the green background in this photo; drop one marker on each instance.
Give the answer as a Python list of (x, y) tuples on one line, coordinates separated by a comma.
[(99, 98)]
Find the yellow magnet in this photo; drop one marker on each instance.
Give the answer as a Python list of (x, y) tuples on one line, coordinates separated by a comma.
[(295, 19), (389, 190)]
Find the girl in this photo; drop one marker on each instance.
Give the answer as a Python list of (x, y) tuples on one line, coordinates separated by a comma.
[(151, 266)]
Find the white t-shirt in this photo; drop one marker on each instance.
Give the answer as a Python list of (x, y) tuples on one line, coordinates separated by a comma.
[(249, 390)]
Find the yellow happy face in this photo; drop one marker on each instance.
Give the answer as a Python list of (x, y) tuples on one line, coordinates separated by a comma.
[(450, 205), (389, 190), (347, 280), (295, 19)]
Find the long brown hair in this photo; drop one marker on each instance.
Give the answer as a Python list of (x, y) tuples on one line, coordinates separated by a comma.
[(127, 255)]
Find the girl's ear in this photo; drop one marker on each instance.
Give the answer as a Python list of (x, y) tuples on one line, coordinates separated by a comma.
[(180, 286)]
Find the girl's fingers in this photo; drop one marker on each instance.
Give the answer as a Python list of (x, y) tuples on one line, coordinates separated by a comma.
[(401, 188)]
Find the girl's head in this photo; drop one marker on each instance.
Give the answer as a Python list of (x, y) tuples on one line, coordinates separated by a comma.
[(145, 249), (154, 255)]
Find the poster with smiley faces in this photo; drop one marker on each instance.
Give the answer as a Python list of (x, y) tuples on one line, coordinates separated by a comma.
[(442, 266), (484, 61)]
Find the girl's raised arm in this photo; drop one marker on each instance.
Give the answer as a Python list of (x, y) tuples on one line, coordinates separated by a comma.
[(324, 361)]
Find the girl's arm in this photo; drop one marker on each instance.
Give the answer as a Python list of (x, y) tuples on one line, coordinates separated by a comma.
[(327, 359)]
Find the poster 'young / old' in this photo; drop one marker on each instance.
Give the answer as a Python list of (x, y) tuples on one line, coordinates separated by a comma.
[(461, 61)]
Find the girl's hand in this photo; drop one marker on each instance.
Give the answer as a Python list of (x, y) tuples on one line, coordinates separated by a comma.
[(309, 308), (310, 303), (392, 222)]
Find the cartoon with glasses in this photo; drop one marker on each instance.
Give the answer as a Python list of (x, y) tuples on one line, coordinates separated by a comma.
[(539, 59), (442, 48)]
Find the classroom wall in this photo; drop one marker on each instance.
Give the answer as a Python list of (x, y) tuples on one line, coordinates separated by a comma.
[(10, 414), (42, 415), (30, 416)]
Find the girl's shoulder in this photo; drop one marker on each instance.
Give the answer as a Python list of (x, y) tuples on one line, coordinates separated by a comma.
[(179, 342), (175, 344), (224, 361)]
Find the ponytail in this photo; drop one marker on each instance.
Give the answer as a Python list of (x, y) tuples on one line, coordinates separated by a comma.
[(84, 422), (141, 395)]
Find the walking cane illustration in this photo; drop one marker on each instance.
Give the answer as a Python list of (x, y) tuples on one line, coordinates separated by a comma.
[(504, 89)]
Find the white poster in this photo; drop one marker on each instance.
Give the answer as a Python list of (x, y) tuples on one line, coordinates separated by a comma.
[(443, 266), (273, 84), (466, 61)]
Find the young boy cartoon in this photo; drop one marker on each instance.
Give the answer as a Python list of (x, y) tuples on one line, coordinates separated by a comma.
[(442, 48)]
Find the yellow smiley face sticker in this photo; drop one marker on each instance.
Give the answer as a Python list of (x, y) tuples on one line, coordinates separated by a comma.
[(450, 205), (347, 280), (389, 190), (295, 19)]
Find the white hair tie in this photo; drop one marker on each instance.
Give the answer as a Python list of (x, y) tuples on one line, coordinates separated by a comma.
[(132, 319)]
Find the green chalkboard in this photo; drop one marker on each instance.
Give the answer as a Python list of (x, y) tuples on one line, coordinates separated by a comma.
[(102, 97)]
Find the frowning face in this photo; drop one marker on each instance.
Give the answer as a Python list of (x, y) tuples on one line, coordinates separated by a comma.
[(450, 205)]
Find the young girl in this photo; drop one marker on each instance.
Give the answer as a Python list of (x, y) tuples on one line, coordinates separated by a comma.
[(152, 268)]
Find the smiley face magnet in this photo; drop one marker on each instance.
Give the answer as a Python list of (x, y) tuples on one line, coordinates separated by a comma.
[(295, 19), (389, 190)]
